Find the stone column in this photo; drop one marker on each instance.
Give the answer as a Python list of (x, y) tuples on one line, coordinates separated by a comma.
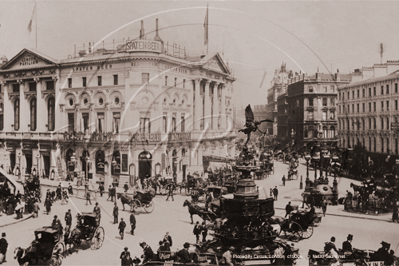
[(207, 105), (8, 111), (42, 117), (108, 118), (215, 107), (198, 110), (24, 106), (93, 119), (223, 107)]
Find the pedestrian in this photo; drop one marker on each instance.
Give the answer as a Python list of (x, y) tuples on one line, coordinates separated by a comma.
[(184, 254), (121, 227), (48, 204), (275, 193), (101, 189), (168, 238), (58, 192), (97, 211), (36, 209), (116, 213), (126, 187), (171, 188), (148, 253), (3, 248), (68, 219), (271, 192), (324, 207), (70, 190), (88, 197), (283, 180), (204, 231), (288, 209), (132, 222), (64, 196), (197, 231), (113, 198), (125, 257), (109, 193), (57, 225), (395, 213)]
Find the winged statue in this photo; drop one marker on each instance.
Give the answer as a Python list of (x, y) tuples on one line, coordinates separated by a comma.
[(250, 124)]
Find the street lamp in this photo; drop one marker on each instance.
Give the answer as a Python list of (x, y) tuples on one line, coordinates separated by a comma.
[(19, 165), (307, 158), (327, 157), (38, 163), (87, 167)]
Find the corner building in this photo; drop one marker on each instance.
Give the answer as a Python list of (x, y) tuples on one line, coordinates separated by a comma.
[(143, 108)]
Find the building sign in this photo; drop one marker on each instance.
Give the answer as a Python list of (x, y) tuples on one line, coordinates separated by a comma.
[(179, 136), (144, 46), (28, 60), (147, 136)]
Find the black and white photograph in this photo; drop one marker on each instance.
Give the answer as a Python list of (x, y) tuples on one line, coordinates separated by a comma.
[(199, 133)]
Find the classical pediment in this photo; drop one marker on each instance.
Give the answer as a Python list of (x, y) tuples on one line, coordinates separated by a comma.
[(215, 63), (29, 59)]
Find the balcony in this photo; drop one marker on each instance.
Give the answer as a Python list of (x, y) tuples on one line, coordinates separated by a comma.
[(179, 136)]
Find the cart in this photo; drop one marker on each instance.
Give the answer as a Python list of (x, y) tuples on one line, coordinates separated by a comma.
[(299, 225), (87, 229)]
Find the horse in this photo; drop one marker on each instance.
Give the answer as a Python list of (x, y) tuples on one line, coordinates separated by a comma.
[(201, 212), (125, 199)]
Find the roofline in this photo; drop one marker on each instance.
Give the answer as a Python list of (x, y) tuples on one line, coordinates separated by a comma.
[(37, 53)]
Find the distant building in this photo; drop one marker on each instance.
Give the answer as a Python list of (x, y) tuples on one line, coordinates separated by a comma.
[(311, 108), (260, 113)]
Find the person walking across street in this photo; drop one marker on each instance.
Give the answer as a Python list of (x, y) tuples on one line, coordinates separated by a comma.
[(283, 179), (97, 212), (288, 209), (113, 198), (88, 197), (3, 248), (275, 193), (395, 217), (101, 189), (109, 193), (204, 231), (125, 257), (70, 190), (197, 231), (68, 219), (324, 207), (171, 187), (121, 227), (132, 223), (115, 213), (36, 209)]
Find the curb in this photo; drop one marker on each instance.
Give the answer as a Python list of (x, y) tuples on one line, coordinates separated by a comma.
[(17, 221)]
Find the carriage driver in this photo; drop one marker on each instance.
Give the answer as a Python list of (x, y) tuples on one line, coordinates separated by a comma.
[(347, 246)]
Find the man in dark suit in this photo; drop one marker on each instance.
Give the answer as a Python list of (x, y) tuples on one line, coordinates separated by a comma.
[(68, 219), (184, 254), (168, 238), (148, 253), (97, 212), (125, 257), (121, 227), (132, 222), (3, 248), (115, 213), (109, 193), (197, 231), (347, 246)]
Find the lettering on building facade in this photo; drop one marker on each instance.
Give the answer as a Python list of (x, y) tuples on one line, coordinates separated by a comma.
[(143, 45), (28, 60)]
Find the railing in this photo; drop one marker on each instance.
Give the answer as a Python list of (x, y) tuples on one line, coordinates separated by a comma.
[(179, 136)]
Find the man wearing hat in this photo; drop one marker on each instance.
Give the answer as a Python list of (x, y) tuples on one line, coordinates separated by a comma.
[(132, 222), (347, 246), (330, 245), (121, 228), (125, 257), (184, 254), (3, 248), (97, 212), (68, 219), (382, 254), (148, 253)]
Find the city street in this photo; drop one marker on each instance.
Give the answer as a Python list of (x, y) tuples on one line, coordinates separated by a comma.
[(172, 217)]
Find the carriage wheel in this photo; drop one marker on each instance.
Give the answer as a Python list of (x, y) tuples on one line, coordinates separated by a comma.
[(57, 254), (296, 231), (149, 207), (308, 232), (136, 204), (98, 238)]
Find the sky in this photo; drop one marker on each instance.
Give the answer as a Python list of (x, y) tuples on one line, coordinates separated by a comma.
[(253, 37)]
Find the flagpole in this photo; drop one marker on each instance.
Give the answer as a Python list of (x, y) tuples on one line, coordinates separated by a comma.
[(36, 23)]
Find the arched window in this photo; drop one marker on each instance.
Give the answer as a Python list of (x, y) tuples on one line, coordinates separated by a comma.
[(369, 144), (343, 143), (33, 114), (388, 151), (325, 132), (375, 144), (369, 123), (363, 142), (382, 145), (382, 123), (100, 160), (375, 123), (363, 124), (387, 123), (51, 114), (16, 114), (116, 163), (332, 132)]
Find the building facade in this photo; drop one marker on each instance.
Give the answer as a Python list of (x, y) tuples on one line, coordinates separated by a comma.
[(118, 114), (368, 112), (311, 108)]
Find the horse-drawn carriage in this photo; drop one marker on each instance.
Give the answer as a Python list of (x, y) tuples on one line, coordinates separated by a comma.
[(299, 225), (87, 229), (47, 246), (319, 190), (140, 199), (32, 184), (293, 169)]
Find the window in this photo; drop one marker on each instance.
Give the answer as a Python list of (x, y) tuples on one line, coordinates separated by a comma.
[(382, 106), (375, 123), (16, 114), (369, 107), (116, 165), (310, 88), (387, 105), (388, 123), (375, 106), (358, 95), (175, 82), (332, 101), (15, 87), (166, 80), (116, 121), (375, 144), (71, 122), (324, 115), (184, 83), (1, 121), (396, 105), (324, 101), (99, 80), (364, 93), (382, 145), (353, 108), (363, 109), (174, 122), (84, 81), (69, 82), (32, 86), (115, 79), (349, 109), (165, 122), (343, 96), (348, 95), (51, 114), (183, 123), (357, 107), (332, 115), (387, 88), (325, 88), (100, 160), (100, 123), (145, 124), (382, 90), (369, 144), (85, 118), (382, 123), (297, 103), (332, 88), (145, 78), (50, 85), (33, 114), (375, 91), (310, 101), (369, 92), (310, 115), (369, 123), (340, 109), (353, 94), (339, 96), (396, 87)]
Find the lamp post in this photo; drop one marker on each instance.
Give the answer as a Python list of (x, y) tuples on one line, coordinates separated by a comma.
[(38, 163), (72, 163), (292, 138), (327, 157), (307, 158), (19, 166), (87, 168)]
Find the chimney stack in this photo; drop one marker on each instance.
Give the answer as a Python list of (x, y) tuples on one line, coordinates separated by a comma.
[(337, 76), (157, 38), (89, 47), (142, 31), (318, 75)]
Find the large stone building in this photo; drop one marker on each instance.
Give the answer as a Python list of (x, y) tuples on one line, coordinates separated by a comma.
[(143, 108), (311, 108), (368, 109)]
